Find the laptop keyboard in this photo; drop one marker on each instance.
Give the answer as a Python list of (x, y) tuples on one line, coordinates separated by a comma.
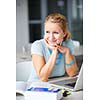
[(71, 84), (66, 82)]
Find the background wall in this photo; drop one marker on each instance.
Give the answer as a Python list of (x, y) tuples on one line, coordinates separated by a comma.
[(22, 37), (30, 15)]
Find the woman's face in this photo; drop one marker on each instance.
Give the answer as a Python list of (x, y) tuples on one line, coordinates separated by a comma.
[(53, 33)]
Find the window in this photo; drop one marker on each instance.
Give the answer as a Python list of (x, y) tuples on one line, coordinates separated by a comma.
[(39, 9), (34, 13)]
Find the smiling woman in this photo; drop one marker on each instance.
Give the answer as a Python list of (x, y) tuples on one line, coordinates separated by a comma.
[(56, 29), (53, 55)]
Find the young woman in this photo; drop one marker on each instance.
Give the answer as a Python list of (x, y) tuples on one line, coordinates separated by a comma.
[(53, 55)]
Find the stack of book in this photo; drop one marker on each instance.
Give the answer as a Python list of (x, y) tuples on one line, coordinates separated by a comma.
[(38, 91)]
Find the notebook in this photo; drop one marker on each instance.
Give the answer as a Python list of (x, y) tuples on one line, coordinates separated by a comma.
[(70, 83), (37, 90)]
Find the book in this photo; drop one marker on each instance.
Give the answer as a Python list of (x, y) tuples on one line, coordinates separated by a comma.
[(38, 91)]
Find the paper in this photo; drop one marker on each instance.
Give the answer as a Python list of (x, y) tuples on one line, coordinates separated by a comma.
[(38, 91)]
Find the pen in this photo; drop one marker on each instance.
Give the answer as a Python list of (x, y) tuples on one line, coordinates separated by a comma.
[(65, 92)]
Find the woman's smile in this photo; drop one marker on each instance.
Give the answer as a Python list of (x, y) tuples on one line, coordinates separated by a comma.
[(51, 42)]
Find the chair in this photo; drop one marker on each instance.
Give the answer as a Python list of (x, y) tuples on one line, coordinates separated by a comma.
[(23, 70), (76, 44)]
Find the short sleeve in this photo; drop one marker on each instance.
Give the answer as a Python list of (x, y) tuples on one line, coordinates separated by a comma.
[(69, 44), (36, 48)]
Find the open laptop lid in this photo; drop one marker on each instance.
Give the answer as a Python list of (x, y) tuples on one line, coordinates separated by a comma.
[(79, 82), (64, 82)]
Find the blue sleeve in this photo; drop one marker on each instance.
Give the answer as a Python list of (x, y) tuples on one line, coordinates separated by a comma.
[(69, 44), (36, 48)]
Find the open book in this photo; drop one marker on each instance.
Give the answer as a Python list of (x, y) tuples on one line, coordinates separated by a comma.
[(38, 91)]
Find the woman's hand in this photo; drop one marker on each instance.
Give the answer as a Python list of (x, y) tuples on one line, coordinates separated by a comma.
[(54, 48), (63, 49)]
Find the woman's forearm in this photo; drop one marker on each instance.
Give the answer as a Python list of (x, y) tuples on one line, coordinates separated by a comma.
[(48, 67), (72, 68)]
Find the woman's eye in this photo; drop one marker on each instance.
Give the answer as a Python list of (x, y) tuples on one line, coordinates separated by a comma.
[(56, 33), (47, 32)]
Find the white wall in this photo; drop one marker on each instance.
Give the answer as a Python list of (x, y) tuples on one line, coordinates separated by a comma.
[(22, 37)]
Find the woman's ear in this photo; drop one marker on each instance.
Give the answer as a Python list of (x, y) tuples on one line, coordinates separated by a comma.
[(64, 35)]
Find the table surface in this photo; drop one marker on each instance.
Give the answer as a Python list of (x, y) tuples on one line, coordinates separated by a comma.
[(73, 96)]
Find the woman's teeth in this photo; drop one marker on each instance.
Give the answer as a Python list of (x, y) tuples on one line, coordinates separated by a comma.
[(52, 45)]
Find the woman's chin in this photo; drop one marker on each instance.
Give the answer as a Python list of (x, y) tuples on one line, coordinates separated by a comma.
[(52, 45)]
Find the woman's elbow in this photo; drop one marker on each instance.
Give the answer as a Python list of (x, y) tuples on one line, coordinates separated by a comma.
[(43, 78), (72, 73)]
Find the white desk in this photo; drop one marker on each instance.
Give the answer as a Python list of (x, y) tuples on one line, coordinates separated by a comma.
[(74, 96)]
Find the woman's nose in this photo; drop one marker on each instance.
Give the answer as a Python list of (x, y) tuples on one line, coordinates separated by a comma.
[(52, 36)]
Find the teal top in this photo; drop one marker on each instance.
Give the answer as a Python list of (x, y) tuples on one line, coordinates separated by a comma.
[(40, 48)]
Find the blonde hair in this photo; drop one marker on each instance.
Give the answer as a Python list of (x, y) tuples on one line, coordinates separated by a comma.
[(61, 20)]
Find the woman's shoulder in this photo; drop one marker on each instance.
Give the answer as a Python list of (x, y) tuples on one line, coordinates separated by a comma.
[(68, 42), (38, 42), (37, 47)]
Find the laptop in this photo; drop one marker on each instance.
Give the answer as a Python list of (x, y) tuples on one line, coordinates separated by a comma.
[(70, 83)]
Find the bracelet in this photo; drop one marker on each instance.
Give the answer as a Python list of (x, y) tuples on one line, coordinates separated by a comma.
[(71, 63)]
